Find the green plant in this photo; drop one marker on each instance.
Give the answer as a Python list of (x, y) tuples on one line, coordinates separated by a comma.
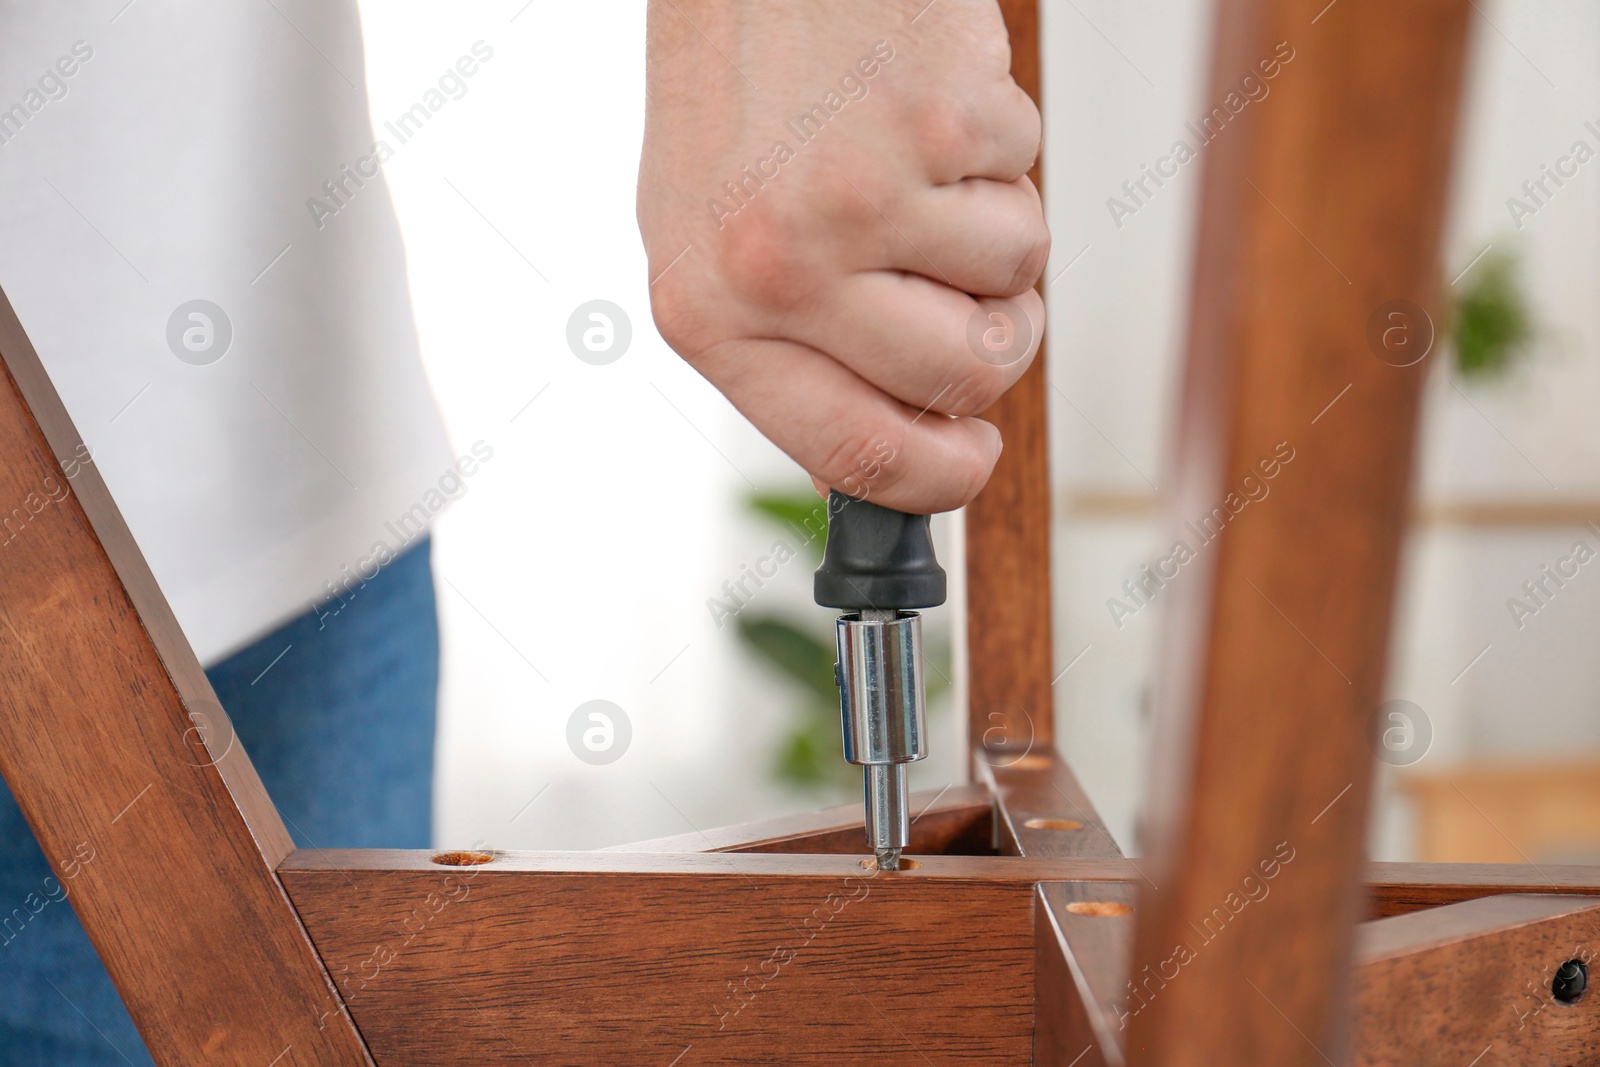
[(1493, 324), (802, 513), (803, 653), (809, 752)]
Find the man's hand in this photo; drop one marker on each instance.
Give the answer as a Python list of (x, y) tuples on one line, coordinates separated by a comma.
[(842, 237)]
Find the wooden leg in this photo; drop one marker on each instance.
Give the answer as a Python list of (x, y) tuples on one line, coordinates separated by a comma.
[(1322, 204), (125, 767), (1009, 646)]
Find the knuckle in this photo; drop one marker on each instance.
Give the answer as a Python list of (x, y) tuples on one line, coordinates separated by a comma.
[(946, 130), (1016, 129), (760, 259), (1026, 115)]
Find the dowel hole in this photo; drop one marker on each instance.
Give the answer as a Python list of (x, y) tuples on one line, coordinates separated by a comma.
[(1100, 909), (1571, 979), (463, 859), (1053, 824)]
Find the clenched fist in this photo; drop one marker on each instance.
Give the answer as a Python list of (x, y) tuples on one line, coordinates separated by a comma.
[(841, 233)]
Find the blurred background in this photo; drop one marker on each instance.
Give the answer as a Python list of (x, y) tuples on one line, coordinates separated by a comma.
[(516, 204)]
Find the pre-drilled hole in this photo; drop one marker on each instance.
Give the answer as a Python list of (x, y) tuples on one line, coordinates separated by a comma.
[(1101, 909), (463, 859), (871, 864), (1053, 824)]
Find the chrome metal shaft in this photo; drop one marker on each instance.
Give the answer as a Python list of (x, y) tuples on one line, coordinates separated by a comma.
[(888, 821), (881, 699)]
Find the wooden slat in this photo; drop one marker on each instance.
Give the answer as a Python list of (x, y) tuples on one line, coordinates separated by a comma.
[(99, 747), (618, 958), (1471, 983), (1394, 888), (1081, 960), (1002, 870), (1041, 810), (1440, 985), (958, 820), (1320, 204), (1008, 624), (1399, 888)]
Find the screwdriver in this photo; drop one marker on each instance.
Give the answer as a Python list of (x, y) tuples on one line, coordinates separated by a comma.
[(877, 565)]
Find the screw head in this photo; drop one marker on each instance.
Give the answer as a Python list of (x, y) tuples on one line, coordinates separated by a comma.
[(1571, 979)]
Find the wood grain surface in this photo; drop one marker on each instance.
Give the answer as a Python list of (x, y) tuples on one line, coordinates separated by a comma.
[(718, 958), (1401, 888), (125, 767), (1471, 983), (1320, 205), (1008, 621), (1041, 809), (1081, 951)]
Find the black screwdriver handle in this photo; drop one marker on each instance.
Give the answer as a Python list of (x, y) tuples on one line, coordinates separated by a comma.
[(877, 558)]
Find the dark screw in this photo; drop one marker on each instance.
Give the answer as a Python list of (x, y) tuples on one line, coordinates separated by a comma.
[(1571, 979)]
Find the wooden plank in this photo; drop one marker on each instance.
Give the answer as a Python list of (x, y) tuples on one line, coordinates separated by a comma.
[(608, 958), (105, 718), (1391, 888), (1435, 986), (634, 866), (957, 820), (1082, 942), (1085, 999), (1472, 983), (1320, 205), (1400, 888), (1041, 810), (1008, 623)]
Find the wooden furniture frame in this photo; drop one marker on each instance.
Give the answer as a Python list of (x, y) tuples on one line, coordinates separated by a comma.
[(1021, 934)]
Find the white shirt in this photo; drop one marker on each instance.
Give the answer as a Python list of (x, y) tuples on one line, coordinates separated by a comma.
[(171, 153)]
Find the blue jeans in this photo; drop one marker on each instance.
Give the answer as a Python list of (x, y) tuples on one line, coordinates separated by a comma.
[(340, 728)]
